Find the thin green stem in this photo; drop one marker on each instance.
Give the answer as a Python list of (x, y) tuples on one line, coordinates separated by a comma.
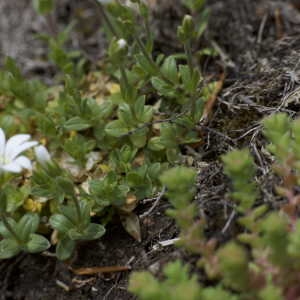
[(77, 206), (107, 20), (189, 56), (148, 31), (124, 76), (10, 229), (151, 61), (139, 42), (128, 89), (188, 52)]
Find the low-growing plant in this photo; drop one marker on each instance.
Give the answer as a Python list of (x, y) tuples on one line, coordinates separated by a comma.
[(104, 154), (262, 262)]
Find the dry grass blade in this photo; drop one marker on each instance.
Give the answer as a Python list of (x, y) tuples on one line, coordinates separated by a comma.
[(96, 270)]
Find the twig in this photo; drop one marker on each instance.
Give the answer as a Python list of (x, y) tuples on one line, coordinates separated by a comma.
[(165, 243), (224, 56), (206, 128), (231, 217), (279, 24), (255, 128), (261, 28), (106, 18), (96, 270), (62, 285), (145, 125), (160, 195)]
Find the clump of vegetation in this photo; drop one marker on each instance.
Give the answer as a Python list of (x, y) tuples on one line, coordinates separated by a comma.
[(262, 262), (96, 158), (89, 160)]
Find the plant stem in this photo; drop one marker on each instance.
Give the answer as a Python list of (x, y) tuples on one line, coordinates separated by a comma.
[(188, 52), (10, 229), (189, 56), (151, 61), (124, 77), (128, 89), (107, 20), (77, 206), (148, 31), (139, 42)]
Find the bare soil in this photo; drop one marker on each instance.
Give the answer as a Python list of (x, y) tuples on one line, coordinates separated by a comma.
[(259, 44)]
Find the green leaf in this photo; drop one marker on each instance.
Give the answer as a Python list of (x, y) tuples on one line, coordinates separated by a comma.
[(276, 126), (66, 185), (37, 243), (85, 210), (75, 234), (28, 224), (93, 232), (9, 248), (239, 166), (190, 81), (145, 65), (65, 248), (3, 229), (143, 112), (139, 138), (234, 266), (16, 197), (163, 88), (76, 124), (180, 182), (147, 114), (139, 106), (125, 115), (169, 69), (134, 179), (69, 211), (155, 144), (116, 128), (61, 223)]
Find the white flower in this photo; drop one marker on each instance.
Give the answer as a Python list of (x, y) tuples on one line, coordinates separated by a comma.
[(42, 155), (10, 161)]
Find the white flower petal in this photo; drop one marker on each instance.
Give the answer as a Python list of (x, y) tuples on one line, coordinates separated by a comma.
[(14, 142), (42, 154), (12, 167), (2, 142), (23, 162), (19, 149)]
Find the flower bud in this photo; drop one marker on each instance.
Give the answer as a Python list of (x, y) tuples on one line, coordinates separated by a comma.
[(117, 51), (186, 31), (122, 43), (42, 155)]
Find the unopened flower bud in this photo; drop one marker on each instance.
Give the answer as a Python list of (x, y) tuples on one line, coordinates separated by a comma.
[(187, 30), (42, 155), (118, 50), (122, 43)]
